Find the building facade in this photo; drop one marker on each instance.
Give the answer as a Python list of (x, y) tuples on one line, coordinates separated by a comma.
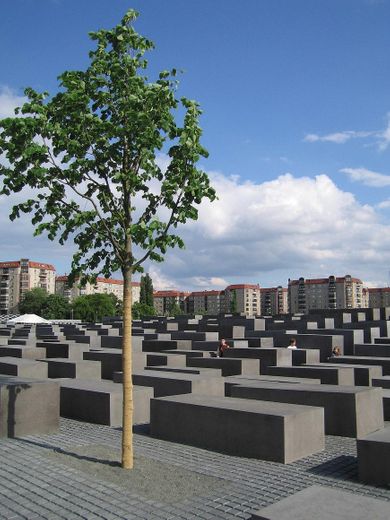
[(204, 302), (325, 293), (164, 301), (242, 298), (379, 297), (18, 277), (274, 300), (101, 286)]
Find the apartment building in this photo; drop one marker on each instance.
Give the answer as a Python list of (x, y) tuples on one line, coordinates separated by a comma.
[(274, 300), (325, 293), (244, 297), (205, 302), (101, 286), (164, 301), (18, 277), (379, 297)]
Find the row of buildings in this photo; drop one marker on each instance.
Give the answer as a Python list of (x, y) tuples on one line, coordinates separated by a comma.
[(18, 277), (300, 296)]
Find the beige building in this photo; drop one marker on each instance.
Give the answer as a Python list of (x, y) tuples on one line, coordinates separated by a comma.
[(18, 277), (274, 300), (325, 293), (379, 297), (101, 286), (247, 297), (165, 300)]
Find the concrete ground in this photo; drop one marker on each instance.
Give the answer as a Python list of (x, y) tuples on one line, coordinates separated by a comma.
[(75, 474)]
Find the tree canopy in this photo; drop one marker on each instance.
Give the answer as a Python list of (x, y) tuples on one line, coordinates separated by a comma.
[(89, 157), (48, 306), (93, 307)]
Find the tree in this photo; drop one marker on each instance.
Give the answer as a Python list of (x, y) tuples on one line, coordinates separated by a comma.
[(55, 307), (174, 310), (93, 307), (146, 291), (33, 301), (233, 302), (141, 309), (90, 155)]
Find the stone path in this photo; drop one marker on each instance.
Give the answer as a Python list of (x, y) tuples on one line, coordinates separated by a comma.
[(74, 475)]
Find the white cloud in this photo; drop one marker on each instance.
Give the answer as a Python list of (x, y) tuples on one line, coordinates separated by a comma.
[(336, 137), (367, 177), (267, 232), (381, 138), (384, 204), (9, 100)]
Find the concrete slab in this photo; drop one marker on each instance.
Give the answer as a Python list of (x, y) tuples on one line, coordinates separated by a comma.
[(322, 503), (350, 411), (241, 427), (374, 458)]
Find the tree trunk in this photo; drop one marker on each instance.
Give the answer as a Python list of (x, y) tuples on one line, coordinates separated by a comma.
[(128, 405)]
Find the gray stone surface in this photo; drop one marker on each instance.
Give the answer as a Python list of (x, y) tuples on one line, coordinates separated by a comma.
[(48, 477), (349, 410), (101, 402), (165, 384), (374, 458), (321, 503), (28, 406), (21, 367), (229, 366), (269, 431), (328, 375), (66, 368)]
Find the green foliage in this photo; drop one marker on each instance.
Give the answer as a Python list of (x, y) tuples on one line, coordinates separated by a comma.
[(56, 307), (146, 290), (93, 307), (90, 153), (233, 302), (118, 304), (175, 310), (33, 301), (48, 306), (142, 309)]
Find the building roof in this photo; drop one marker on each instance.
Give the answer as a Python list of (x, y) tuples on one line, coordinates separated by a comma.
[(378, 289), (242, 286), (313, 281), (33, 265)]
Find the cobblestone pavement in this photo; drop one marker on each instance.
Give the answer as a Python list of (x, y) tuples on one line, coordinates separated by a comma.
[(35, 486)]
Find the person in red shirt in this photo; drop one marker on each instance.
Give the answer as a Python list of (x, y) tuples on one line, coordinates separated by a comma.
[(222, 347)]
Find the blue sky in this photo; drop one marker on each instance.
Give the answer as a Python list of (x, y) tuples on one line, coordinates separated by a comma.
[(296, 101)]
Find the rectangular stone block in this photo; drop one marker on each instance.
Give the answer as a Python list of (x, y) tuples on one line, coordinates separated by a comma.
[(373, 453), (165, 384), (384, 362), (22, 367), (268, 356), (327, 375), (23, 352), (229, 366), (350, 411), (363, 374), (28, 406), (322, 503), (66, 368), (101, 402), (269, 431)]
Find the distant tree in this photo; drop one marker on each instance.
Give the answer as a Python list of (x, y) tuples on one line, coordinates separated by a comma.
[(233, 302), (89, 158), (175, 310), (142, 309), (146, 291), (55, 307), (93, 307), (33, 301), (118, 303)]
